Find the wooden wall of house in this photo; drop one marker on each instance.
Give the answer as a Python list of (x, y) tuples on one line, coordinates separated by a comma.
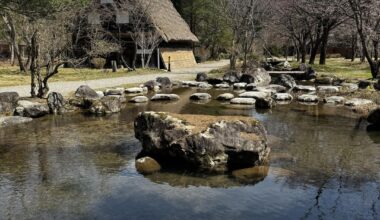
[(179, 57)]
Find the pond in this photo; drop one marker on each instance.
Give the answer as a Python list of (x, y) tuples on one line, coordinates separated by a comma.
[(80, 167)]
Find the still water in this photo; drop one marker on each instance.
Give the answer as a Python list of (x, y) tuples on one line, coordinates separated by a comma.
[(82, 167)]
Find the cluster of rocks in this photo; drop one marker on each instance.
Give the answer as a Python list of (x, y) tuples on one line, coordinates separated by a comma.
[(199, 142)]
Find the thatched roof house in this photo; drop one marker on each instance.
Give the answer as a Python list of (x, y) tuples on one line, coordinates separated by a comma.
[(177, 38)]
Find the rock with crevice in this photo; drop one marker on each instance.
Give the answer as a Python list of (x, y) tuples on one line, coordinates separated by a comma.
[(259, 76), (8, 103), (202, 142), (32, 109), (56, 103), (106, 105)]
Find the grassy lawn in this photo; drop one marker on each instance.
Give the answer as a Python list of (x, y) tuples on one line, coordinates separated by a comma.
[(10, 76)]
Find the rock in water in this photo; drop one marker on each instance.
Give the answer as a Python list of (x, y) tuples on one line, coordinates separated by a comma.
[(232, 77), (32, 109), (200, 96), (202, 142), (86, 92), (225, 97), (147, 165), (374, 117), (287, 81), (8, 102), (165, 97), (201, 77), (164, 82), (106, 105), (56, 103), (139, 99), (259, 76), (243, 101)]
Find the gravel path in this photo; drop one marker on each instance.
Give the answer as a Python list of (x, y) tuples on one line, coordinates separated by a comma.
[(67, 87)]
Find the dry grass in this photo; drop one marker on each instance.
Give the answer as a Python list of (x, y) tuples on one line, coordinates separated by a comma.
[(11, 76)]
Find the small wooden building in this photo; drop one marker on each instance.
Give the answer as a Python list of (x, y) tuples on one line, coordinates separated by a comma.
[(177, 38)]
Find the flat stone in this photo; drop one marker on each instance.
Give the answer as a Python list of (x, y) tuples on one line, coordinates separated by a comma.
[(350, 87), (165, 97), (200, 96), (139, 99), (243, 101), (336, 100), (266, 90), (191, 83), (358, 102), (226, 97), (283, 97), (277, 88), (303, 88), (240, 85), (13, 120), (328, 89), (308, 98), (222, 86), (134, 90), (254, 95), (117, 91), (203, 85)]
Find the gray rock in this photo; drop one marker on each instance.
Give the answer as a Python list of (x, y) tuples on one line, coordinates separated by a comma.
[(8, 102), (190, 83), (277, 88), (259, 76), (135, 90), (201, 77), (100, 94), (205, 86), (165, 97), (164, 82), (13, 120), (232, 77), (349, 87), (147, 165), (56, 103), (106, 105), (283, 97), (254, 95), (302, 88), (240, 85), (200, 96), (364, 84), (328, 89), (152, 85), (358, 102), (222, 86), (139, 99), (86, 92), (225, 97), (33, 109), (214, 81), (308, 98), (202, 142), (286, 80), (324, 80), (265, 103), (243, 101), (335, 100), (117, 91)]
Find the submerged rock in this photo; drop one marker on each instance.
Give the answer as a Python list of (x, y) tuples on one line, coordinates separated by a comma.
[(200, 96), (225, 97), (8, 102), (139, 99), (13, 120), (243, 101), (147, 165), (165, 97), (202, 142)]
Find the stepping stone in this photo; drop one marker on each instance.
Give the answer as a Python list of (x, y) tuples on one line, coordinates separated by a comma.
[(190, 83), (358, 102), (135, 90), (139, 99), (243, 101), (240, 85), (350, 87), (204, 86), (222, 86), (277, 88), (328, 89), (226, 97), (283, 97), (266, 90), (308, 98), (165, 97), (200, 96), (118, 91), (336, 100), (302, 88), (254, 95)]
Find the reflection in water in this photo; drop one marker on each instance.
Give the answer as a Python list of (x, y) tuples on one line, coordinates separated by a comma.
[(82, 167)]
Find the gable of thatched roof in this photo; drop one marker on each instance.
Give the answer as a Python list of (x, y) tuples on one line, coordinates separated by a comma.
[(169, 23)]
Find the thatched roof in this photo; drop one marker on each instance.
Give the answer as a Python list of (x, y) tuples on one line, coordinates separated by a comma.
[(169, 22)]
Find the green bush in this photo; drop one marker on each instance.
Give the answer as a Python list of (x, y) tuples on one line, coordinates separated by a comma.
[(98, 63)]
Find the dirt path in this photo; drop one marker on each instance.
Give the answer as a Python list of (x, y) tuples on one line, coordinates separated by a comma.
[(66, 87)]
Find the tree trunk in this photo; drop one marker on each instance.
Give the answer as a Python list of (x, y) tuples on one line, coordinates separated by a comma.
[(376, 50), (324, 44), (12, 54), (34, 64), (303, 51), (134, 58), (354, 42), (233, 56)]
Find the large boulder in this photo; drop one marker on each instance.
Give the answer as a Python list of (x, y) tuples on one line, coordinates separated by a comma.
[(8, 102), (87, 93), (56, 103), (286, 80), (202, 142), (106, 105), (13, 120), (259, 76), (201, 77), (32, 109), (232, 76)]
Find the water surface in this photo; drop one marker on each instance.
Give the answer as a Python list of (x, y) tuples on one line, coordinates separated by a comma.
[(82, 167)]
